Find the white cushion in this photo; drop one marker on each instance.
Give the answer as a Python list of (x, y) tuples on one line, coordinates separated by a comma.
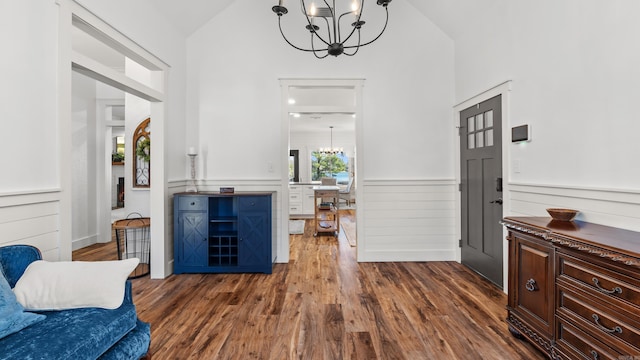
[(73, 284)]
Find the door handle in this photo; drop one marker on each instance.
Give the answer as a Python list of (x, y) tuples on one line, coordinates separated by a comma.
[(497, 201)]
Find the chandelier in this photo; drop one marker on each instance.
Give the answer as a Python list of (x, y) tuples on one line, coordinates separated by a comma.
[(331, 150), (324, 25)]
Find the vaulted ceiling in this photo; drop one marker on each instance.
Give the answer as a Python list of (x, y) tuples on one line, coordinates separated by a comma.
[(452, 16)]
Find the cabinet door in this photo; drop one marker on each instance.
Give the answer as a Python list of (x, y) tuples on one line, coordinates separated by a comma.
[(308, 200), (532, 298), (191, 239), (254, 233)]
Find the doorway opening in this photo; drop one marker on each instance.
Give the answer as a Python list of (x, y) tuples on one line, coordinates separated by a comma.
[(322, 125), (99, 52)]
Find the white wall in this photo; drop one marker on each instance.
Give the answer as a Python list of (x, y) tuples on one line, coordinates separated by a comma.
[(575, 79), (84, 191), (33, 200), (29, 196), (574, 66), (28, 33), (234, 96)]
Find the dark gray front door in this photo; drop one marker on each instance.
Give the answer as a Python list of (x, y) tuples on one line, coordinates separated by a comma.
[(481, 188)]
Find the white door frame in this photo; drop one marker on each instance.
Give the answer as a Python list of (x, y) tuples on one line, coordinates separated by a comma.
[(73, 14), (503, 89), (285, 84), (104, 178)]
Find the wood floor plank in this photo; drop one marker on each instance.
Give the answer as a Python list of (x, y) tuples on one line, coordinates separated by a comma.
[(325, 305)]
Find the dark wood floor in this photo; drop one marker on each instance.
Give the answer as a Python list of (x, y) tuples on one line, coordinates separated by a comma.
[(325, 305)]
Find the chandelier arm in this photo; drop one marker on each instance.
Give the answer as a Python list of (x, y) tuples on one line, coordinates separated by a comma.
[(357, 20), (339, 33), (357, 47), (304, 11), (289, 42), (328, 32), (333, 16), (314, 50), (377, 37)]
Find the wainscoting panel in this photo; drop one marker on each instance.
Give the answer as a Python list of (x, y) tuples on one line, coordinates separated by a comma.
[(612, 207), (31, 219), (408, 220)]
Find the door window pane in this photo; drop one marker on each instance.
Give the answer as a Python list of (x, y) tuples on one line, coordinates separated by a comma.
[(471, 124), (471, 142), (489, 137), (479, 122), (488, 118), (480, 139)]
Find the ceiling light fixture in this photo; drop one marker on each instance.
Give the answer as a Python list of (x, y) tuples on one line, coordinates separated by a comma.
[(326, 21), (331, 150)]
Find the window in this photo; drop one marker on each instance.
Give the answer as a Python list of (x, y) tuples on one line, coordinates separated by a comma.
[(329, 165), (142, 155)]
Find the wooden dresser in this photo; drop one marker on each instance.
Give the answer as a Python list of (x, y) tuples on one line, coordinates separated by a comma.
[(574, 288)]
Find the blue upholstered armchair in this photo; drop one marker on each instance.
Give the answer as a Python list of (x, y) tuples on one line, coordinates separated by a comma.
[(84, 333)]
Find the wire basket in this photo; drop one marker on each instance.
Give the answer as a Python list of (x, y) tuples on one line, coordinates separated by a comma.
[(134, 241)]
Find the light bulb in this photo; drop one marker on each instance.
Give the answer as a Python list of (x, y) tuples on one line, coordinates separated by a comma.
[(354, 7), (313, 10)]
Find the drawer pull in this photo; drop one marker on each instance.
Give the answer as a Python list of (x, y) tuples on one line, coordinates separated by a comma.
[(616, 290), (193, 203), (594, 355), (616, 329), (531, 285)]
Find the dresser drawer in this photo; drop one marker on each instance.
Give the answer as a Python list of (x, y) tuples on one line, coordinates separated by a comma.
[(600, 279), (610, 324), (326, 193), (194, 203), (576, 344)]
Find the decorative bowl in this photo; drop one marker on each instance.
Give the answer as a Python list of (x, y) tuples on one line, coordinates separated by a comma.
[(562, 214)]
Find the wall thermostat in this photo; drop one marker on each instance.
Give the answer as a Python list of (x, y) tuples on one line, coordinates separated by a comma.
[(521, 133)]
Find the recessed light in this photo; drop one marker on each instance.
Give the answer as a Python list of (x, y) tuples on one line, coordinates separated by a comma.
[(292, 101)]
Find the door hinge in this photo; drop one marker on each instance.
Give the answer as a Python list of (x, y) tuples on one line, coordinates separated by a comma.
[(460, 243), (460, 187)]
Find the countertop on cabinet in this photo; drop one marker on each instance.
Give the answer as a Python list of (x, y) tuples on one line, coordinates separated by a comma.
[(217, 193), (592, 237)]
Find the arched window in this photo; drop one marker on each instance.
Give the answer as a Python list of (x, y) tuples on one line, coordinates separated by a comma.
[(142, 155)]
